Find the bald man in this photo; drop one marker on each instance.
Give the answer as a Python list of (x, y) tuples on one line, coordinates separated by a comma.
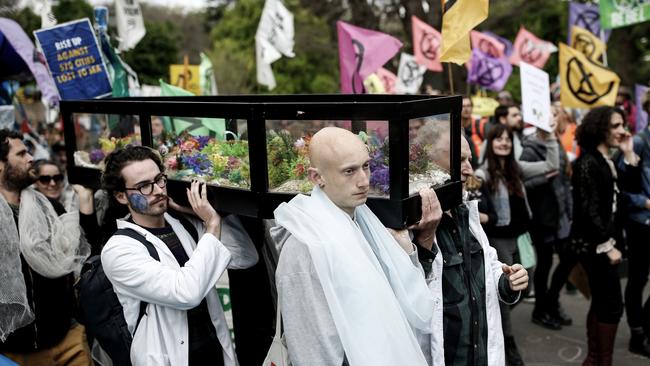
[(350, 293)]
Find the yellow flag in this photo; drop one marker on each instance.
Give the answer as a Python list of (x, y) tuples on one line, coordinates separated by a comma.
[(458, 19), (583, 82), (177, 78), (587, 43), (374, 85)]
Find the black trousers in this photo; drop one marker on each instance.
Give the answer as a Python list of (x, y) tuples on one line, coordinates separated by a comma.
[(544, 252), (638, 244), (605, 286)]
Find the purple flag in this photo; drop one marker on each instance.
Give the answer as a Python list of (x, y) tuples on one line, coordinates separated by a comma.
[(506, 42), (34, 60), (488, 72), (362, 52), (586, 16), (641, 115)]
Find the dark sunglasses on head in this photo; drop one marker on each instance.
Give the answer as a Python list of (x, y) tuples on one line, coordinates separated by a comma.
[(45, 179)]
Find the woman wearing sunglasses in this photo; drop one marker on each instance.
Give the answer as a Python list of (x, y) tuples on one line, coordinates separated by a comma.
[(51, 182)]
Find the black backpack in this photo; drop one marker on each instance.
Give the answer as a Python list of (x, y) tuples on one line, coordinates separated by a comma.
[(99, 309)]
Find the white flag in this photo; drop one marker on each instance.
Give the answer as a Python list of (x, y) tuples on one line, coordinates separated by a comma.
[(43, 8), (409, 75), (265, 54), (207, 82), (276, 26), (130, 25)]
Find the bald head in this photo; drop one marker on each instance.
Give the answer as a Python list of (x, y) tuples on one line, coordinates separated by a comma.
[(340, 166), (331, 143)]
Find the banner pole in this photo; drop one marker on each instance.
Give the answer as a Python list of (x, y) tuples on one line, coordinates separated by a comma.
[(602, 37), (451, 78), (186, 71)]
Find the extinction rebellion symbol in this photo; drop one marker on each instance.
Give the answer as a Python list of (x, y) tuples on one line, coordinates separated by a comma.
[(589, 20), (529, 52), (357, 83), (489, 71), (429, 45), (585, 45), (581, 83), (411, 73), (488, 48)]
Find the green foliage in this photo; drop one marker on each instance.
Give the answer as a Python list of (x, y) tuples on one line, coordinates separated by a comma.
[(26, 18), (314, 69), (155, 52), (68, 10)]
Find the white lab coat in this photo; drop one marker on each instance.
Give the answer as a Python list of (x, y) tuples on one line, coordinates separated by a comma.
[(493, 272), (171, 290)]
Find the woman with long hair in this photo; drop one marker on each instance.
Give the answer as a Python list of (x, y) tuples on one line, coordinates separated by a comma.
[(505, 214), (594, 227), (550, 201)]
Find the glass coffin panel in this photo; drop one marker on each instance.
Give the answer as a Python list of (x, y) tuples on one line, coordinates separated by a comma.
[(429, 152), (203, 149), (97, 135)]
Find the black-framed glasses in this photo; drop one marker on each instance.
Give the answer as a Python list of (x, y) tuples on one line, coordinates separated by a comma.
[(146, 188), (46, 179)]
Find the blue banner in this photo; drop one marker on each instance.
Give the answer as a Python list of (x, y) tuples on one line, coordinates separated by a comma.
[(74, 60)]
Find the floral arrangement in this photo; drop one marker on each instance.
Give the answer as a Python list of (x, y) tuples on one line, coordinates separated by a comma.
[(108, 145), (288, 161), (204, 157)]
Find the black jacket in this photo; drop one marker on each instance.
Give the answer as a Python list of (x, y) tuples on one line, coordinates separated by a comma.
[(593, 194), (53, 303)]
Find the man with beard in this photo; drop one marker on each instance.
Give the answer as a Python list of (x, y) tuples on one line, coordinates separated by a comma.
[(184, 322), (36, 293)]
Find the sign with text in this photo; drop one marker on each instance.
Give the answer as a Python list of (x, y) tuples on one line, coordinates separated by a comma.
[(535, 96), (618, 13), (74, 60), (177, 77)]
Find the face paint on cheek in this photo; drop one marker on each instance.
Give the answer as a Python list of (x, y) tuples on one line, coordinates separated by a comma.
[(138, 202)]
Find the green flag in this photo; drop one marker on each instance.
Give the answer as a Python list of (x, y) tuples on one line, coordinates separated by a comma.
[(615, 14), (207, 81), (197, 127)]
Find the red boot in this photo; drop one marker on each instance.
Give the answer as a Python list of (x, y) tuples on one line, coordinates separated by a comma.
[(592, 340), (606, 337)]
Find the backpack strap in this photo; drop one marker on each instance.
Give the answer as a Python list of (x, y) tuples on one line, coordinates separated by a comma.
[(152, 252), (186, 224)]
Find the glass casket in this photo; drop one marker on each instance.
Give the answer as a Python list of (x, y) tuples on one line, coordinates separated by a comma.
[(252, 150)]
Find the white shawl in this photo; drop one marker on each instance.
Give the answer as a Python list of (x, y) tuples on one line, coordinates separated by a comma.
[(376, 295)]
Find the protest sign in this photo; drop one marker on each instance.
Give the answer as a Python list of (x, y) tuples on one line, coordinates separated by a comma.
[(409, 75), (616, 13), (74, 60), (535, 96), (177, 78)]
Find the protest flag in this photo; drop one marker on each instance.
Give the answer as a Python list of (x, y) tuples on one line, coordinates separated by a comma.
[(585, 83), (274, 38), (587, 43), (617, 13), (488, 44), (362, 52), (531, 50), (130, 25), (459, 17), (586, 16), (508, 47), (214, 127), (488, 72), (409, 75), (426, 44), (641, 92), (388, 79), (207, 81), (374, 85)]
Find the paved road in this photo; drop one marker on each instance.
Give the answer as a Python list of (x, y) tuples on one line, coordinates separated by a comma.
[(543, 347)]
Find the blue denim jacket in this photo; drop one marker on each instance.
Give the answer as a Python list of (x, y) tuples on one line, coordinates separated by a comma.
[(635, 202)]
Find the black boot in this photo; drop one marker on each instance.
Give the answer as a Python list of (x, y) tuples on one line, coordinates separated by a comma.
[(544, 319), (513, 358), (639, 343), (557, 312)]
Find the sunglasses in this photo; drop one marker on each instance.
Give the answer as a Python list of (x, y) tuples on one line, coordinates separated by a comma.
[(46, 179)]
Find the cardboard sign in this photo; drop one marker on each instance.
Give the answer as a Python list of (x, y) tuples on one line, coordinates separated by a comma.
[(535, 96), (74, 60)]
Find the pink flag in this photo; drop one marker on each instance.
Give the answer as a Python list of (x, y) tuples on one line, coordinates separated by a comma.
[(487, 44), (530, 49), (426, 44), (388, 79), (361, 52)]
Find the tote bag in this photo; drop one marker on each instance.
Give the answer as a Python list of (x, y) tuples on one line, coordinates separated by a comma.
[(526, 251), (278, 354)]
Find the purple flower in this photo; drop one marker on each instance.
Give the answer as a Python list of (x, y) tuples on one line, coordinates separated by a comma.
[(96, 156), (199, 163), (380, 178), (202, 141)]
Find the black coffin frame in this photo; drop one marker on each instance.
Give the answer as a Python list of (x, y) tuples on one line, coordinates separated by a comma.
[(397, 211)]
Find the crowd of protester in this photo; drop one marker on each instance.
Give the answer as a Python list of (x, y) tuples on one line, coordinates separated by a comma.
[(577, 196)]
